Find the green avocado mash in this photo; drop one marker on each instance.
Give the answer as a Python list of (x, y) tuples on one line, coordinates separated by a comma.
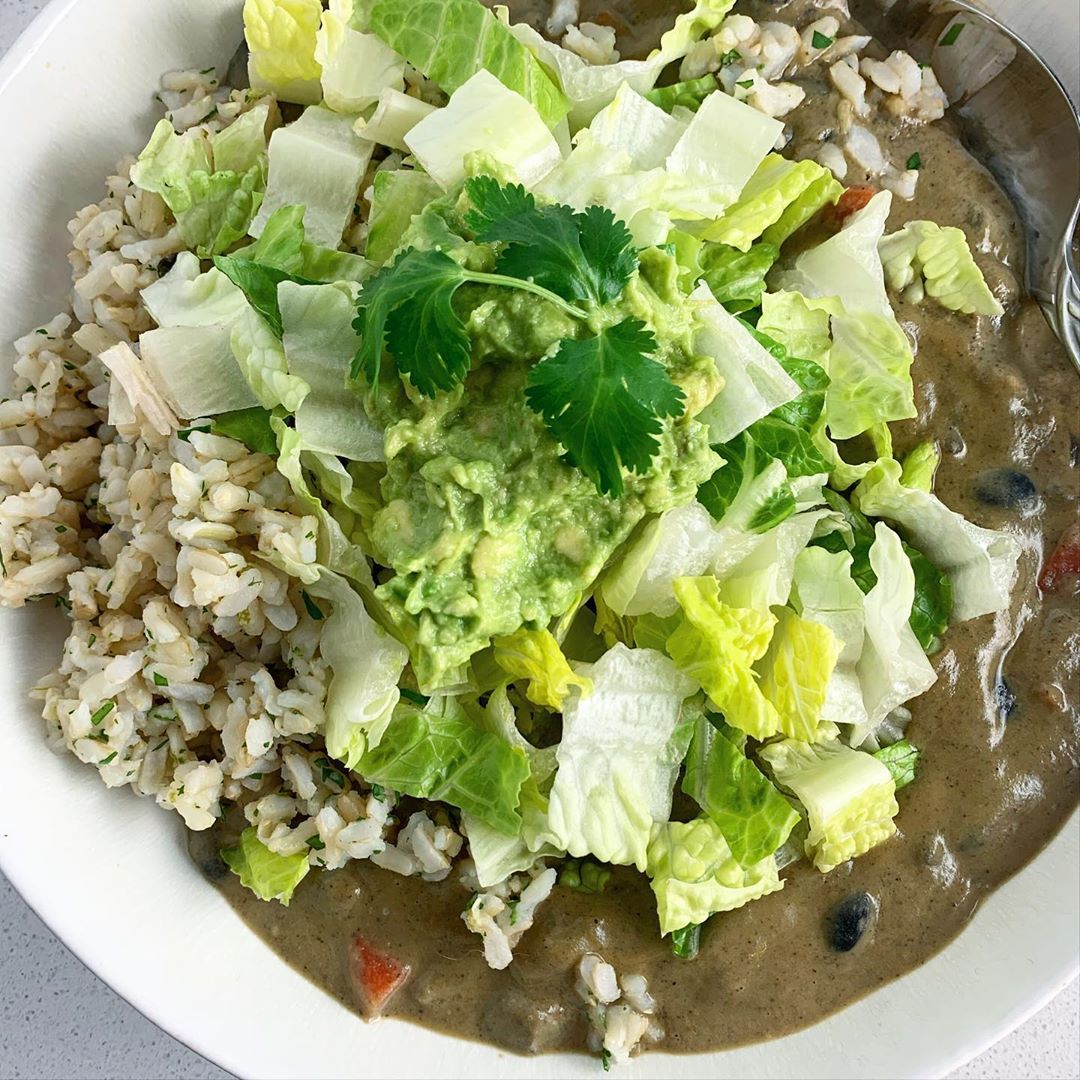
[(485, 526)]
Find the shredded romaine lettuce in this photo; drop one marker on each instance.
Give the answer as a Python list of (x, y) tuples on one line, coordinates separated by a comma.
[(441, 753), (753, 816), (366, 666), (981, 563), (849, 796), (281, 38), (268, 875), (319, 343), (620, 751), (484, 117), (356, 67), (317, 162), (450, 41), (717, 645), (925, 258), (535, 655), (694, 874)]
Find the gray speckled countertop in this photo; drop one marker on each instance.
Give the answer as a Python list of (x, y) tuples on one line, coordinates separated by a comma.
[(58, 1019)]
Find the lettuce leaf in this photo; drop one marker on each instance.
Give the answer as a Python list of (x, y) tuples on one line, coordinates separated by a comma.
[(750, 491), (619, 755), (825, 592), (394, 117), (212, 184), (893, 666), (633, 125), (319, 343), (484, 117), (802, 328), (397, 197), (495, 854), (755, 383), (535, 655), (780, 197), (316, 162), (336, 549), (923, 257), (901, 759), (695, 875), (451, 40), (795, 673), (980, 563), (366, 665), (589, 87), (186, 296), (440, 753), (736, 278), (281, 38), (870, 374), (282, 245), (849, 797), (716, 645), (920, 466), (261, 358), (356, 67), (753, 816), (195, 369), (268, 875)]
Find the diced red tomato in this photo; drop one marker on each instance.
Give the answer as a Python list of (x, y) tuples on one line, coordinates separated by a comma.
[(854, 198), (1065, 561), (376, 976)]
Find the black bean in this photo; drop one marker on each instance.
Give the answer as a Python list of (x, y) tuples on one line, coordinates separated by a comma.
[(1004, 697), (214, 867), (849, 920), (1010, 488)]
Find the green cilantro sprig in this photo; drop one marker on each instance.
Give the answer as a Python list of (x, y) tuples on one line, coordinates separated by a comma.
[(602, 397)]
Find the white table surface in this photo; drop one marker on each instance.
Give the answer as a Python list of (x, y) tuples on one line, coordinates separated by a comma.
[(57, 1019)]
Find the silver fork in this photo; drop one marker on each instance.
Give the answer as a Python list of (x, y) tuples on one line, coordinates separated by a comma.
[(1019, 121)]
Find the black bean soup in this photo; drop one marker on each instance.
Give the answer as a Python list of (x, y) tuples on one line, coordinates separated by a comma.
[(998, 731)]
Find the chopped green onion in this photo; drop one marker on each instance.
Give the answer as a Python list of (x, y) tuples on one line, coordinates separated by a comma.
[(417, 699), (160, 680), (106, 760), (90, 641), (952, 34), (378, 793), (312, 608), (820, 40), (915, 161), (605, 1059), (730, 57), (102, 712), (746, 83), (330, 774), (686, 942), (316, 843)]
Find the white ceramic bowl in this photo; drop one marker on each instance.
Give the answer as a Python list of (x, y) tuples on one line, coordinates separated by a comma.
[(108, 872)]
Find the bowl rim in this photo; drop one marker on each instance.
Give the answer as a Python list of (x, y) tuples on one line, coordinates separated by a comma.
[(1024, 972)]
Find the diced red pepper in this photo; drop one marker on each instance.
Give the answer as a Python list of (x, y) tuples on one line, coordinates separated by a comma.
[(1065, 561), (854, 198), (376, 976)]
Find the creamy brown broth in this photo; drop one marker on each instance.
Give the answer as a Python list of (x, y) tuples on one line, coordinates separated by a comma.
[(998, 731)]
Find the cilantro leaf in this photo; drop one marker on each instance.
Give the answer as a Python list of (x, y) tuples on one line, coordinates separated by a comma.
[(259, 283), (586, 256), (603, 398), (408, 308)]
